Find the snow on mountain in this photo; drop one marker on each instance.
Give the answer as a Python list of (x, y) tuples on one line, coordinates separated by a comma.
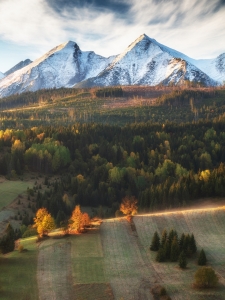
[(215, 68), (63, 66), (146, 62), (1, 75), (18, 66)]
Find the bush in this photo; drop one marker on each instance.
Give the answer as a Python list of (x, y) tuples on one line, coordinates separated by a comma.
[(205, 277)]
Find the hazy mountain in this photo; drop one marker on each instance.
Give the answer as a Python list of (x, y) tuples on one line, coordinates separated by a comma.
[(18, 66)]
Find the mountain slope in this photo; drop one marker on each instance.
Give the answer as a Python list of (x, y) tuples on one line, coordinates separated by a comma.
[(146, 62), (1, 75), (18, 66), (63, 66), (215, 68)]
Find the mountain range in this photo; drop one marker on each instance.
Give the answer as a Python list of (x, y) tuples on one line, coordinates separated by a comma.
[(144, 62)]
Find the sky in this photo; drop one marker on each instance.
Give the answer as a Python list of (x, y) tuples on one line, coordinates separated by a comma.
[(30, 28)]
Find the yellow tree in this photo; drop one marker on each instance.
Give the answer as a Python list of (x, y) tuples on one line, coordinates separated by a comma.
[(85, 220), (129, 205), (43, 221), (78, 219)]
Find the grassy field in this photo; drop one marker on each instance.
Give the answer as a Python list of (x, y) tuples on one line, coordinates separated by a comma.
[(9, 190), (127, 267), (208, 229), (115, 262), (18, 273)]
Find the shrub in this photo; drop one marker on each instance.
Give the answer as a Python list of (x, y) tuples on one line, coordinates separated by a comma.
[(205, 277)]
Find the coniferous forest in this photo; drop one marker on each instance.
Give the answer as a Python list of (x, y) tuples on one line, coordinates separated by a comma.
[(163, 165)]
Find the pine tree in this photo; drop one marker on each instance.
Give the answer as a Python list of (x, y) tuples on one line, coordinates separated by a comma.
[(160, 257), (182, 260), (202, 258), (175, 250), (7, 241), (155, 242), (167, 248), (192, 244), (164, 238), (181, 242)]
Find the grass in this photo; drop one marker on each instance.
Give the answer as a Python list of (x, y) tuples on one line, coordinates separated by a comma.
[(18, 273), (87, 259), (208, 229), (9, 190), (126, 265)]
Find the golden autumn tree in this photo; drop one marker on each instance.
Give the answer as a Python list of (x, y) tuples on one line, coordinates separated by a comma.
[(44, 222), (78, 219), (129, 205)]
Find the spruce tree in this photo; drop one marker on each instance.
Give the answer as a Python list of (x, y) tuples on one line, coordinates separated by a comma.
[(160, 257), (182, 260), (202, 258), (181, 242), (175, 251), (192, 244), (167, 248), (155, 242), (7, 241), (164, 238)]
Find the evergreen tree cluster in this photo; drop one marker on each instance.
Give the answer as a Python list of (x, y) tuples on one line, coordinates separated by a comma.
[(109, 92), (7, 241), (171, 247)]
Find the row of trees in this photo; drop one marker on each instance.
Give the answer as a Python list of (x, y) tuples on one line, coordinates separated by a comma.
[(44, 222)]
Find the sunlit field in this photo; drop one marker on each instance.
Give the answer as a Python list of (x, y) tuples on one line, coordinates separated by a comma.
[(207, 225), (115, 262)]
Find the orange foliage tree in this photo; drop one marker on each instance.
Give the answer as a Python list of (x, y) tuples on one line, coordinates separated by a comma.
[(78, 219), (44, 222), (129, 205)]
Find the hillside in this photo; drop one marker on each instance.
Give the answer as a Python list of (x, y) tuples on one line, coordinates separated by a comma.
[(133, 105), (115, 262)]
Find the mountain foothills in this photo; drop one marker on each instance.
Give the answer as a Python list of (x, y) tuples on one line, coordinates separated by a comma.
[(144, 62)]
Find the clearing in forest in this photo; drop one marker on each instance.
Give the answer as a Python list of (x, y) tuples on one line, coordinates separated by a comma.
[(9, 190)]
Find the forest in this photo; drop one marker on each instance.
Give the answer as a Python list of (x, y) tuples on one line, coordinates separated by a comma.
[(162, 165)]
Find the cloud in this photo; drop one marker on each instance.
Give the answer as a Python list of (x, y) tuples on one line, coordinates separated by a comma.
[(108, 27)]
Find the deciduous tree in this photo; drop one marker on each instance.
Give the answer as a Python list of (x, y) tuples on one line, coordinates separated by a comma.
[(44, 222), (205, 277), (129, 205)]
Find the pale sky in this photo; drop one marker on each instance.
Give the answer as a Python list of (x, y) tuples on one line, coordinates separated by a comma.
[(29, 28)]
